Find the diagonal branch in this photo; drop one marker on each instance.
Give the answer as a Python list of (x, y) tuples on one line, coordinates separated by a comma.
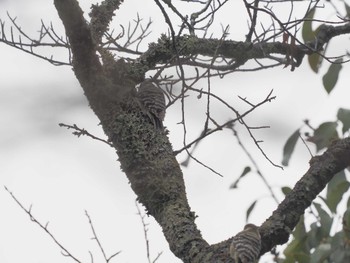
[(101, 15), (24, 42), (145, 154), (276, 229), (98, 88), (85, 60), (107, 259), (65, 252)]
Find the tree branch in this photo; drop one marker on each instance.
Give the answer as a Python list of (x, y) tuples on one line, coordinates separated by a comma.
[(145, 154), (276, 229), (101, 16), (240, 52), (65, 252), (85, 61), (99, 88)]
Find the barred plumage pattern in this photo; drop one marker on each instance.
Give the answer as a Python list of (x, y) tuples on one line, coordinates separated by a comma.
[(246, 245), (152, 102)]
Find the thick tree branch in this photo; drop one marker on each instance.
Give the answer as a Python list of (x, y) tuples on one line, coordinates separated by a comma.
[(162, 52), (145, 154), (99, 87), (101, 16), (147, 158), (325, 34), (276, 229), (85, 60), (86, 65)]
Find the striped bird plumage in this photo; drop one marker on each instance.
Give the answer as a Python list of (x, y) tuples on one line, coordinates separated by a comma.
[(246, 245), (152, 102)]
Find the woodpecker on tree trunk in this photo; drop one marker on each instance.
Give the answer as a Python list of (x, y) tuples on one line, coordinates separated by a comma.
[(152, 102), (246, 245)]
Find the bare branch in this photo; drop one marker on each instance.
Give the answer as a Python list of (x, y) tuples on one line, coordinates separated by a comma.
[(168, 21), (228, 123), (107, 259), (253, 17), (145, 232), (65, 251), (210, 15), (80, 132), (101, 16), (258, 170), (321, 171), (132, 30), (78, 32), (183, 19), (30, 45)]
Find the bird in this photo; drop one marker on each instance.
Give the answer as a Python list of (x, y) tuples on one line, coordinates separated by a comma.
[(246, 245), (152, 102)]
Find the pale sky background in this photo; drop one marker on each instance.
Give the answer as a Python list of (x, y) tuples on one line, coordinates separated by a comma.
[(61, 175)]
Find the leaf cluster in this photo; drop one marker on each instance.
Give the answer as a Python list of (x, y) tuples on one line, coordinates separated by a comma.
[(319, 243)]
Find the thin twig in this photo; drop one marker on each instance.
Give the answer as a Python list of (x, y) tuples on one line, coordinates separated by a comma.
[(145, 232), (80, 132), (253, 19), (65, 251), (230, 122), (307, 147), (245, 150), (107, 259), (168, 21)]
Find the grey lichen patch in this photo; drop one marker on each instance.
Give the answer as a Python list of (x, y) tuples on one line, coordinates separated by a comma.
[(136, 139), (145, 155), (161, 51)]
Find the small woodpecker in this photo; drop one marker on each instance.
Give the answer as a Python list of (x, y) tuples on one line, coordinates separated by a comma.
[(246, 245), (152, 102)]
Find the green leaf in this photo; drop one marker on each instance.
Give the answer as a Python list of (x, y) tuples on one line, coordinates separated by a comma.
[(314, 236), (321, 253), (298, 249), (307, 32), (250, 209), (286, 190), (348, 203), (337, 240), (289, 147), (335, 190), (301, 257), (308, 35), (296, 252), (344, 116), (324, 134), (246, 170), (331, 77), (339, 257), (346, 222), (314, 61), (325, 220), (340, 250), (300, 231)]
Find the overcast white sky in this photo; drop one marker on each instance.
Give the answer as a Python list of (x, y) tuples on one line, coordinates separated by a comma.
[(62, 175)]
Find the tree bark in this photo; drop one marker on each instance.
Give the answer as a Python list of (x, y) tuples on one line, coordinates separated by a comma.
[(146, 155)]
